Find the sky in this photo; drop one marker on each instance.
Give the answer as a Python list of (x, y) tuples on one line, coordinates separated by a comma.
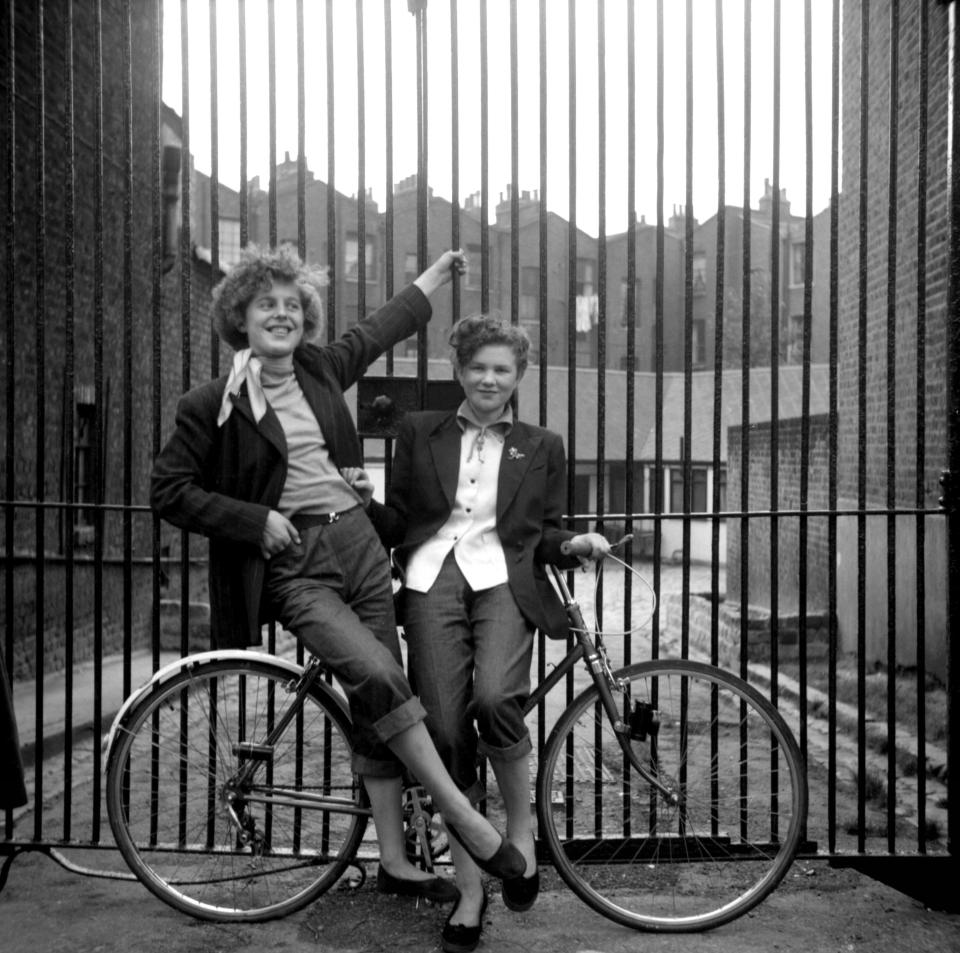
[(369, 24)]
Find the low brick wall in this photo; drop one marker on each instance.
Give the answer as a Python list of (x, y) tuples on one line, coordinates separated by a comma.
[(759, 628)]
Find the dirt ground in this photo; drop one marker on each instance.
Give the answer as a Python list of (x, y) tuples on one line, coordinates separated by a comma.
[(46, 909)]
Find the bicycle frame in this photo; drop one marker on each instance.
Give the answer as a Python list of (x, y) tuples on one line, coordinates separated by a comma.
[(594, 655)]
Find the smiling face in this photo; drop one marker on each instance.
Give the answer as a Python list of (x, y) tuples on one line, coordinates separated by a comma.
[(489, 379), (273, 321)]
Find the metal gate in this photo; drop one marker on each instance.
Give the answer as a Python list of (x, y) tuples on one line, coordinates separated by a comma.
[(768, 399)]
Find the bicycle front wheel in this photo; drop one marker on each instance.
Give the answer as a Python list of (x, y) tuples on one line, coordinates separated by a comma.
[(710, 834), (215, 820)]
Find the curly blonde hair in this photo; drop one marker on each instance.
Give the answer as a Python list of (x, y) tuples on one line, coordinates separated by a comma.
[(256, 270)]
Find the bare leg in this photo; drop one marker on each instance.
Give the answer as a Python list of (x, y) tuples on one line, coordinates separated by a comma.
[(387, 810), (513, 779), (416, 750), (469, 880)]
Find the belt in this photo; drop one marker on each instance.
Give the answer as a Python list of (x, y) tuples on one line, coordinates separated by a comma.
[(306, 520)]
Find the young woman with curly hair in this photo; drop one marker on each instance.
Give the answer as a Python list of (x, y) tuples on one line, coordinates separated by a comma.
[(265, 461)]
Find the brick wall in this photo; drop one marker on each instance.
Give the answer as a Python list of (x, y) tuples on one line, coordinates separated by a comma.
[(881, 382), (55, 353), (759, 579)]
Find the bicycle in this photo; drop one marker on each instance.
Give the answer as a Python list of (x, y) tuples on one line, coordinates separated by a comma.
[(670, 795)]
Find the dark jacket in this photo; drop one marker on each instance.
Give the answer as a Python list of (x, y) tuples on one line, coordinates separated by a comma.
[(223, 481), (530, 496)]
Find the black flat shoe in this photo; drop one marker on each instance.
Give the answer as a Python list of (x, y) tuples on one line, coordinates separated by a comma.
[(437, 889), (519, 893), (506, 861), (459, 938)]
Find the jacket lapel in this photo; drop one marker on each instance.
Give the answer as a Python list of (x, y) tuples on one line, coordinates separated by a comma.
[(444, 445), (518, 452), (269, 426)]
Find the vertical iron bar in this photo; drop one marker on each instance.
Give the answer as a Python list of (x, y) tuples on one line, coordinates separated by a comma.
[(745, 388), (39, 405), (631, 304), (923, 63), (775, 309), (543, 323), (514, 177), (601, 270), (101, 400), (862, 421), (891, 355), (272, 118), (156, 294), (720, 265), (420, 16), (542, 302), (242, 67), (833, 438), (454, 152), (333, 256), (601, 356), (10, 403), (301, 139), (630, 501), (388, 150), (484, 162), (685, 452), (572, 263), (746, 238), (127, 396), (658, 344), (214, 180), (803, 528), (186, 269), (953, 447), (361, 170), (69, 381)]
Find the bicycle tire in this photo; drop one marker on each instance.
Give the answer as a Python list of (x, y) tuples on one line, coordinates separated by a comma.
[(718, 850), (166, 772)]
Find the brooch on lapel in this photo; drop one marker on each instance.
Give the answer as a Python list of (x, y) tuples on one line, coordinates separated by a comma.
[(514, 454)]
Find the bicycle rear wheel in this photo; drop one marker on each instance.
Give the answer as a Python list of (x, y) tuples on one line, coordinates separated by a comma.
[(713, 847), (216, 849)]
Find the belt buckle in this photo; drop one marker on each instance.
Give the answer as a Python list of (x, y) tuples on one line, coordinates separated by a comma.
[(333, 518)]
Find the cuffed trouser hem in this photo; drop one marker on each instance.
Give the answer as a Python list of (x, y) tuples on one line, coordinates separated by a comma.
[(400, 719), (405, 716), (514, 752)]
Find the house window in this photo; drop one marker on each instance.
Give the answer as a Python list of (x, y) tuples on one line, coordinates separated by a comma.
[(229, 232), (587, 304), (410, 271), (798, 263), (585, 273), (529, 293), (474, 273), (721, 478), (698, 489), (699, 273), (795, 339), (351, 258)]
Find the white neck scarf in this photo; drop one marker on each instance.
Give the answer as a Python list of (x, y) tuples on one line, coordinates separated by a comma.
[(247, 368)]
